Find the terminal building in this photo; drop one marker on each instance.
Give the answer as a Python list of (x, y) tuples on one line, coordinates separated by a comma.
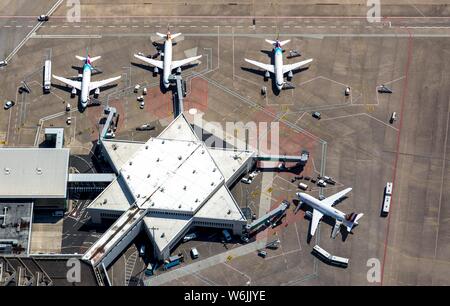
[(164, 187), (38, 175)]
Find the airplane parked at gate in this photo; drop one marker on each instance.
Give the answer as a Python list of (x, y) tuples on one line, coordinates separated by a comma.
[(325, 207), (167, 65), (278, 68), (86, 86)]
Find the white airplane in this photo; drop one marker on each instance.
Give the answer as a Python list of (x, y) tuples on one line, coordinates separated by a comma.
[(167, 65), (279, 69), (325, 207), (86, 86)]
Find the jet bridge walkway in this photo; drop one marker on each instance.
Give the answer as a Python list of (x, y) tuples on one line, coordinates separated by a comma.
[(277, 213), (116, 238)]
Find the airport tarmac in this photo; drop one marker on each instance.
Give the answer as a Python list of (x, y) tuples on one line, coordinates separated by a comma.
[(353, 142)]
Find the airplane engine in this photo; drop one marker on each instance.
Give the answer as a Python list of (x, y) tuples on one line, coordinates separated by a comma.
[(155, 70), (97, 92), (179, 70), (267, 75), (80, 76), (73, 92), (308, 214), (290, 74)]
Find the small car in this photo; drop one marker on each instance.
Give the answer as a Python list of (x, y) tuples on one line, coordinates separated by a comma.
[(9, 104), (226, 235), (262, 253), (141, 105), (189, 237), (316, 115), (3, 63), (43, 18)]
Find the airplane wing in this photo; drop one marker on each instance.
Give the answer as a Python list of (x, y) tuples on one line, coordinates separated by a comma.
[(331, 200), (176, 64), (316, 217), (287, 68), (71, 83), (150, 61), (95, 85), (266, 67)]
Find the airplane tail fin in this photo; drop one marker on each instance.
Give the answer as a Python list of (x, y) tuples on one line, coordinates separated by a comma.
[(274, 43), (91, 59), (175, 35), (282, 43), (351, 220)]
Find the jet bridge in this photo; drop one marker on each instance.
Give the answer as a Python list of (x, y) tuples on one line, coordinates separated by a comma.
[(116, 238), (111, 111), (178, 96), (277, 213)]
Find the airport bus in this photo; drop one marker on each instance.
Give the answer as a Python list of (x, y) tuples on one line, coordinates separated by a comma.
[(387, 199), (386, 205), (47, 76), (339, 261)]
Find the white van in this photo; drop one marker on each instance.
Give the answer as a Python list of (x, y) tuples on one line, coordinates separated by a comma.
[(194, 253)]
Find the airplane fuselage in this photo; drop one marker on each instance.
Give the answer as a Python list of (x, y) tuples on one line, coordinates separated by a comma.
[(85, 81), (167, 64), (278, 67), (324, 209)]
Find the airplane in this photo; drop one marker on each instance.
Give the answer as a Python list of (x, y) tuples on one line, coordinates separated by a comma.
[(167, 65), (278, 68), (325, 207), (86, 86)]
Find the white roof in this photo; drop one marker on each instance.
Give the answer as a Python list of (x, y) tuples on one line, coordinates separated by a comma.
[(165, 228), (221, 206), (179, 129), (33, 172), (229, 161), (170, 174), (120, 151), (117, 197)]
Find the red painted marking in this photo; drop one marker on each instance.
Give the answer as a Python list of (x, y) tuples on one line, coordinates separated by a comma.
[(158, 103), (198, 97), (405, 87)]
